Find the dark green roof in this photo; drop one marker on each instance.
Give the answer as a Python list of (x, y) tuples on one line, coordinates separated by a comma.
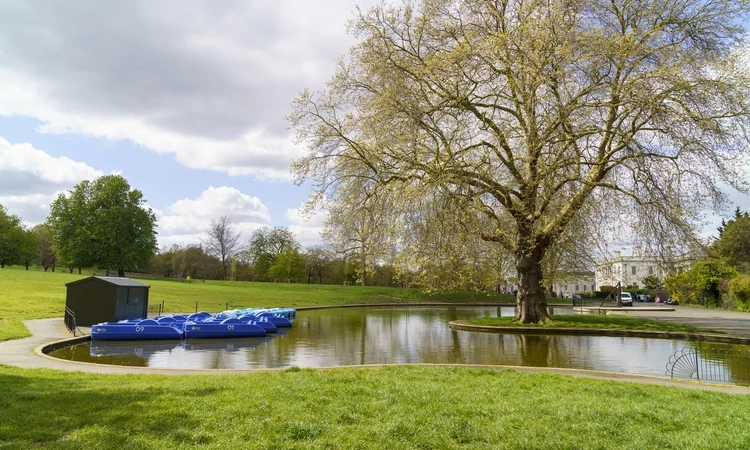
[(117, 281)]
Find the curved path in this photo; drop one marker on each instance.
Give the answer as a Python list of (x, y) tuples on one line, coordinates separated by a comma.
[(26, 353)]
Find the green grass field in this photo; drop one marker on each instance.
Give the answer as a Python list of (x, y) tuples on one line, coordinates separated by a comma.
[(36, 294), (391, 407), (383, 408), (613, 322)]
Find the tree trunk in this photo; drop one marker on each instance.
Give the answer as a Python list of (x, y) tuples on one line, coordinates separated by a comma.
[(79, 271), (531, 303), (27, 266), (71, 269), (364, 267), (121, 273)]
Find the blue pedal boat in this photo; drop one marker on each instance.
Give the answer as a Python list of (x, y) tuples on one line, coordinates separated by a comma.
[(262, 322), (130, 330), (278, 321), (226, 328)]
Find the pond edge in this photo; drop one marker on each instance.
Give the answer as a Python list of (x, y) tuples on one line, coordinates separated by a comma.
[(463, 325)]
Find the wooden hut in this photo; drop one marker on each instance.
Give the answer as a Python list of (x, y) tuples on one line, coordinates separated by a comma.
[(106, 299)]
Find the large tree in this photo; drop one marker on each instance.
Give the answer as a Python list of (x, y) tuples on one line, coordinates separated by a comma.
[(266, 244), (29, 248), (534, 109), (12, 238), (733, 244), (223, 241), (46, 251), (104, 223)]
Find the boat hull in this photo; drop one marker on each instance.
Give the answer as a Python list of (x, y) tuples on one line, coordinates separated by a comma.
[(208, 330), (133, 332)]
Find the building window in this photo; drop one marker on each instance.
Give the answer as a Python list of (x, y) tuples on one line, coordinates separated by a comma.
[(650, 270), (633, 270), (576, 288)]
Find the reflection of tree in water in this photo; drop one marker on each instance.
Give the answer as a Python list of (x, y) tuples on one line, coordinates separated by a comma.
[(553, 351), (532, 350)]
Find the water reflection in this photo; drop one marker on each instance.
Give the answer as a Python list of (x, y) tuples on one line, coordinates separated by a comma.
[(357, 336)]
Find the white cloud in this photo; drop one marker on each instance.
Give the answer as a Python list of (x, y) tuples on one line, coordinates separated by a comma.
[(185, 221), (31, 179), (207, 82), (24, 158), (307, 227)]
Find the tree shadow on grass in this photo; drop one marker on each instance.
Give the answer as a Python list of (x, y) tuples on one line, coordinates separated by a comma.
[(68, 410)]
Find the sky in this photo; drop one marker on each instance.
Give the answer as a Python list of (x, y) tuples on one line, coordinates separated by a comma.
[(185, 99)]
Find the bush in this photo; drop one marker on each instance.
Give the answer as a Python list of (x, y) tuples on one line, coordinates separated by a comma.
[(739, 288), (701, 285)]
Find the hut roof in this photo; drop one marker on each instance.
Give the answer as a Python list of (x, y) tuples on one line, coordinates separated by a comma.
[(117, 281)]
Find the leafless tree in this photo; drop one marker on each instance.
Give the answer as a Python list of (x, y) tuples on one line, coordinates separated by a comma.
[(223, 241)]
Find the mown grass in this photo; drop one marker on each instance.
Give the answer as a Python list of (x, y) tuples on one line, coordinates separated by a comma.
[(595, 321), (36, 294), (392, 407)]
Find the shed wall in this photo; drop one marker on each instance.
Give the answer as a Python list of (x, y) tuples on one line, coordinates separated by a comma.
[(92, 302), (132, 302)]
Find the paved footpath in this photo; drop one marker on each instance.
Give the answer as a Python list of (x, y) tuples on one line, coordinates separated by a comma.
[(25, 353), (730, 322)]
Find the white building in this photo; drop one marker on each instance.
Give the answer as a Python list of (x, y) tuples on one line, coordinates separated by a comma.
[(574, 283), (631, 270)]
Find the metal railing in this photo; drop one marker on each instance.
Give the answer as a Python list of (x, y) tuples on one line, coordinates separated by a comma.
[(616, 294), (70, 322), (719, 364)]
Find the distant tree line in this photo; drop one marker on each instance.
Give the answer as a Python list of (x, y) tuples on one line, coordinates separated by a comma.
[(105, 225), (271, 254)]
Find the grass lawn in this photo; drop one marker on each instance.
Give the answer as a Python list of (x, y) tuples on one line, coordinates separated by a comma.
[(389, 407), (392, 407), (36, 294), (595, 321)]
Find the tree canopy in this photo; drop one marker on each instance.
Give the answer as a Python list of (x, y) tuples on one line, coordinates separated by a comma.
[(105, 224), (733, 244), (531, 112), (266, 245), (12, 238)]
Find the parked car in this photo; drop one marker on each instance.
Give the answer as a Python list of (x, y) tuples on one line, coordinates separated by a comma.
[(627, 299)]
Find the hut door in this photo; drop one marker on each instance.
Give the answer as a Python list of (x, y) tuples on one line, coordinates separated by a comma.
[(135, 303)]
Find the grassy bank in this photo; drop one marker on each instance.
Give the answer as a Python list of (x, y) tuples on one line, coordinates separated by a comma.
[(394, 407), (595, 321), (36, 295)]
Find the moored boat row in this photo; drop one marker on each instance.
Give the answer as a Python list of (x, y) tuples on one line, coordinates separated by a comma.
[(228, 324)]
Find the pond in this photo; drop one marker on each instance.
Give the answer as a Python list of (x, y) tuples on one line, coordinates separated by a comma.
[(402, 335)]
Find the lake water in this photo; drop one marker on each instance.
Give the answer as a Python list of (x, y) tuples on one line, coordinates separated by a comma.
[(402, 335)]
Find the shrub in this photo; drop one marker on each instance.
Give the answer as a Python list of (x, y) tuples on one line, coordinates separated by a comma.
[(739, 287), (701, 284)]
